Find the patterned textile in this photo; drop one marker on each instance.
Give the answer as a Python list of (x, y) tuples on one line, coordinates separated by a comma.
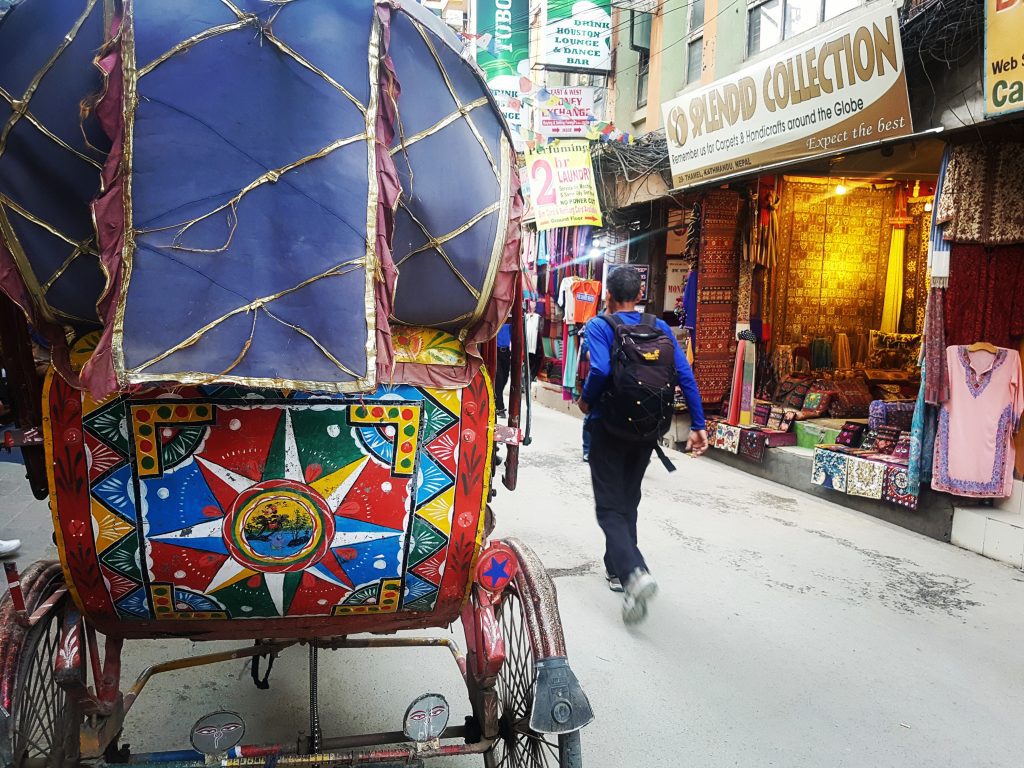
[(896, 487), (893, 351), (829, 470), (897, 413), (833, 257), (843, 356), (851, 434), (797, 394), (864, 477), (933, 350), (886, 438), (852, 399), (815, 404), (761, 413), (730, 437), (985, 298), (902, 449), (717, 281), (782, 359), (915, 269), (980, 199), (753, 444), (428, 346), (718, 439), (744, 292)]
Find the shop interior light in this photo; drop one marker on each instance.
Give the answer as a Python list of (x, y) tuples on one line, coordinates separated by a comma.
[(928, 207), (593, 253), (840, 189)]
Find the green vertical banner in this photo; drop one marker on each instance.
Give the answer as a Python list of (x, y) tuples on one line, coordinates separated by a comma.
[(578, 35), (503, 53)]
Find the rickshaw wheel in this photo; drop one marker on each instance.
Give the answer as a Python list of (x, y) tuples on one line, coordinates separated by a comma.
[(518, 746), (42, 728)]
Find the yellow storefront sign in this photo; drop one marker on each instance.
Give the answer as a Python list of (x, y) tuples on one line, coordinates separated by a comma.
[(561, 183), (1004, 57)]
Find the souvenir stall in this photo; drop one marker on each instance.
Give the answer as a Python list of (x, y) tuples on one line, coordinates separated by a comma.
[(568, 287), (973, 389), (811, 296)]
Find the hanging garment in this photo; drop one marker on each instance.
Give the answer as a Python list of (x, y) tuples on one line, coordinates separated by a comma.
[(893, 302), (985, 298), (736, 391), (980, 200), (843, 358), (690, 299), (567, 297), (934, 383), (974, 449), (586, 295)]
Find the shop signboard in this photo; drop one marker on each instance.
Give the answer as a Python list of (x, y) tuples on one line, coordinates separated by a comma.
[(503, 53), (843, 89), (640, 6), (569, 113), (577, 35), (562, 189), (676, 271), (1004, 57), (644, 271)]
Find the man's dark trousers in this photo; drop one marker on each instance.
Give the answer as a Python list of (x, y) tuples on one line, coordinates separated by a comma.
[(616, 471), (501, 376)]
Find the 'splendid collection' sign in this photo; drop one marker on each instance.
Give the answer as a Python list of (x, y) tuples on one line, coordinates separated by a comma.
[(843, 89)]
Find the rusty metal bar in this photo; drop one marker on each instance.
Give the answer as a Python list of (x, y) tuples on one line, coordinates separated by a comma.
[(17, 596), (401, 642), (199, 661)]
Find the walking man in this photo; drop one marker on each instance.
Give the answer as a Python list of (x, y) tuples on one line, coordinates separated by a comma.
[(504, 367), (618, 459)]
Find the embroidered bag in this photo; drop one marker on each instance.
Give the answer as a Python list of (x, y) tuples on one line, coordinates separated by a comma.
[(902, 449), (753, 444), (761, 413), (887, 438), (775, 417), (851, 434)]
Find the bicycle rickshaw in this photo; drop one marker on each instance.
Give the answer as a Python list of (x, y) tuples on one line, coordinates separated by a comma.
[(268, 246)]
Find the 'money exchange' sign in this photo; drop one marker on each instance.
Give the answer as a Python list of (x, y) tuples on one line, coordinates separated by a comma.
[(844, 89)]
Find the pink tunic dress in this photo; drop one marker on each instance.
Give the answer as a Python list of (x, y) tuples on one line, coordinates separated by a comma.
[(974, 451)]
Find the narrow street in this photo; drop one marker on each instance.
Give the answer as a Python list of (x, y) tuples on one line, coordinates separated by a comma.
[(788, 632)]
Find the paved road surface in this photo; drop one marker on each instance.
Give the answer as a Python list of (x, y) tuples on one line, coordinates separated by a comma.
[(789, 632)]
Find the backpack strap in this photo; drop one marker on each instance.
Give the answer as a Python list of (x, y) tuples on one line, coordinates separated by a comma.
[(613, 320), (665, 460)]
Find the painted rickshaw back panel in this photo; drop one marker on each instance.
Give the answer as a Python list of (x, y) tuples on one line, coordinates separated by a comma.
[(219, 512)]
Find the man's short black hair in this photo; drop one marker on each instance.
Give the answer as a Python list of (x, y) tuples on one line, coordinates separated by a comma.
[(624, 283)]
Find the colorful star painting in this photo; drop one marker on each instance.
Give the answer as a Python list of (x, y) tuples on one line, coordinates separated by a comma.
[(221, 503)]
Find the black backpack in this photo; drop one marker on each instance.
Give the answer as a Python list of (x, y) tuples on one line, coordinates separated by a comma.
[(639, 402)]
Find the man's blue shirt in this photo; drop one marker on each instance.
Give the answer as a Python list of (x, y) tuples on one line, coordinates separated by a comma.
[(505, 336), (601, 336)]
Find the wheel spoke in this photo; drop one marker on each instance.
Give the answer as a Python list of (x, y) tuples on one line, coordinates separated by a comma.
[(41, 719)]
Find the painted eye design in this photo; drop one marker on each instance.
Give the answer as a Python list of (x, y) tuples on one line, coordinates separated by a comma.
[(418, 715), (231, 727), (207, 730), (439, 710)]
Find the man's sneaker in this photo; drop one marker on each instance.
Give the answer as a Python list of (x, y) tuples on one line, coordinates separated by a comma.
[(9, 547), (613, 582), (586, 457), (640, 587)]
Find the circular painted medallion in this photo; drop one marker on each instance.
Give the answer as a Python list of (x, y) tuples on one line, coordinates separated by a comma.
[(278, 526)]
